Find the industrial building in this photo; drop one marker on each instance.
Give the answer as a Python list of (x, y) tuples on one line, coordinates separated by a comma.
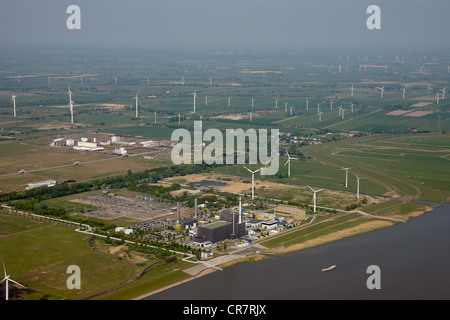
[(220, 230), (230, 226), (290, 211), (45, 183)]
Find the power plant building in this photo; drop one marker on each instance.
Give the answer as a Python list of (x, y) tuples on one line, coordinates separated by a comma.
[(228, 227)]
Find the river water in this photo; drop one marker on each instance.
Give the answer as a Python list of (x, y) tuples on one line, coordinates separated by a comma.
[(413, 259)]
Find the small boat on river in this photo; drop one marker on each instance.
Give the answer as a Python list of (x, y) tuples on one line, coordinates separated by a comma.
[(329, 268)]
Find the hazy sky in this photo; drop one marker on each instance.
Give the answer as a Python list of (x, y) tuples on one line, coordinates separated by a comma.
[(225, 22)]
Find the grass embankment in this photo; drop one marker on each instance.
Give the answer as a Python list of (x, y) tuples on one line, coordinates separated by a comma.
[(37, 254), (330, 228)]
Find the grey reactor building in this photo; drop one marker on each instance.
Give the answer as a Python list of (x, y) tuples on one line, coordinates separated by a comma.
[(230, 226)]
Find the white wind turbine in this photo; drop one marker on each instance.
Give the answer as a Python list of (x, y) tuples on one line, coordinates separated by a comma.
[(320, 116), (137, 105), (314, 197), (253, 179), (357, 186), (13, 100), (443, 93), (352, 90), (7, 279), (346, 175), (195, 97), (382, 90), (404, 91), (428, 89), (307, 104), (70, 103), (288, 162), (437, 97)]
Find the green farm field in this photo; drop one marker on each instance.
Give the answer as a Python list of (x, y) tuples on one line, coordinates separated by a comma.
[(415, 165), (38, 253)]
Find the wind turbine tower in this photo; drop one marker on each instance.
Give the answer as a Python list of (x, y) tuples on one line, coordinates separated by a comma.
[(357, 186), (137, 105), (346, 176), (70, 104), (253, 180), (195, 97), (13, 99), (288, 162), (382, 91), (314, 197), (320, 116), (7, 279)]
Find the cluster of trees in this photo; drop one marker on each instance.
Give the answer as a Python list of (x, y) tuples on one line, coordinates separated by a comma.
[(117, 182), (31, 200), (33, 205)]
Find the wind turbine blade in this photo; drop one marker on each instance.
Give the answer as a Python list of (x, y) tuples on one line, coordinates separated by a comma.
[(286, 162), (16, 282), (311, 188), (319, 190)]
